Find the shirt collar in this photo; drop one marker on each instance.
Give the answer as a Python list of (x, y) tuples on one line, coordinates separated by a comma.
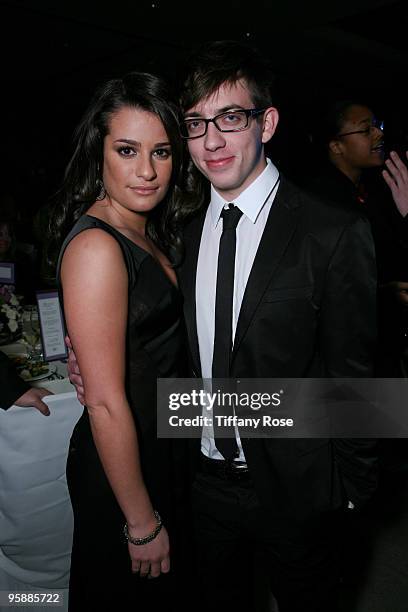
[(251, 200)]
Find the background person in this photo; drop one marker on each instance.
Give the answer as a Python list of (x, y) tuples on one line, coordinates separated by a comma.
[(351, 174), (350, 147), (14, 390), (24, 265), (395, 291)]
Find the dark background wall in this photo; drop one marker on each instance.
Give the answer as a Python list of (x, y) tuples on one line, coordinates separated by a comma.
[(55, 53)]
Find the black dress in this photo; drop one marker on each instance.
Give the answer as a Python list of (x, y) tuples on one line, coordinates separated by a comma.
[(101, 578)]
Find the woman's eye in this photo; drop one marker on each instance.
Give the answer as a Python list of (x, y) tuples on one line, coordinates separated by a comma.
[(162, 153), (126, 151)]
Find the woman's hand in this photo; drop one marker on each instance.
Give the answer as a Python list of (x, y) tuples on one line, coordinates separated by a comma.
[(151, 559)]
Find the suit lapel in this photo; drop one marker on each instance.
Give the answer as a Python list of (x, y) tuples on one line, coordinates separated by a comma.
[(278, 231), (188, 285)]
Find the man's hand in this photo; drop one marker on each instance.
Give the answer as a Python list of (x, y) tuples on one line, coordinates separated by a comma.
[(33, 397), (73, 372), (396, 177)]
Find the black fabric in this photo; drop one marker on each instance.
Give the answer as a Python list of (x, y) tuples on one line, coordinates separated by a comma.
[(101, 578), (225, 293), (309, 310), (225, 436), (11, 385), (390, 233), (243, 555)]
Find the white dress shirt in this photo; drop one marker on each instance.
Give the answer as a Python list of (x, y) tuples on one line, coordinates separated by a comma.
[(255, 203)]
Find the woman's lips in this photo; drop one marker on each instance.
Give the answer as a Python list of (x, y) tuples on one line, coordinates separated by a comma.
[(144, 190)]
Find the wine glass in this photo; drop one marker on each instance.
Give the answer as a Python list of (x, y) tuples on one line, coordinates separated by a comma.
[(32, 334)]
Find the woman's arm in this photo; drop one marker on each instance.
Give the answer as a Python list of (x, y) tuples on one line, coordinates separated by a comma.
[(95, 289)]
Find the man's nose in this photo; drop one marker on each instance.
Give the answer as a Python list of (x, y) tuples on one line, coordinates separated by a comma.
[(214, 139)]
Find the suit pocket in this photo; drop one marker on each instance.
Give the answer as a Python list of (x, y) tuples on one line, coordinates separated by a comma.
[(281, 294)]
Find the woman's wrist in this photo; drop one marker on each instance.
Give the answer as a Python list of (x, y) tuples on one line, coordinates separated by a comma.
[(143, 522), (134, 537)]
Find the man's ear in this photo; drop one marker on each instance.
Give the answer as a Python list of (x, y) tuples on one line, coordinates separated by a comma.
[(335, 147), (269, 123)]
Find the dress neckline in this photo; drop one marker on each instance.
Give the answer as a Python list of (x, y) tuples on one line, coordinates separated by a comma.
[(147, 254)]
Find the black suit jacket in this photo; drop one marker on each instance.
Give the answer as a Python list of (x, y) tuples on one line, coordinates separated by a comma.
[(308, 311), (11, 385)]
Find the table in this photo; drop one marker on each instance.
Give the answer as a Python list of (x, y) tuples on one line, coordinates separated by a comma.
[(35, 511)]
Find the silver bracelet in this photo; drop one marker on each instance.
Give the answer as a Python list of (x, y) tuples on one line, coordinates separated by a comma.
[(148, 538)]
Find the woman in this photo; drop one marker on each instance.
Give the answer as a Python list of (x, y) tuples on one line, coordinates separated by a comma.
[(122, 311)]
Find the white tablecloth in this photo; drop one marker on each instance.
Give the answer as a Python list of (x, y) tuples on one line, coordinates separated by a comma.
[(35, 511)]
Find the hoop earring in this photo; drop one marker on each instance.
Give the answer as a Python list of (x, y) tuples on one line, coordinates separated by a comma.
[(102, 191)]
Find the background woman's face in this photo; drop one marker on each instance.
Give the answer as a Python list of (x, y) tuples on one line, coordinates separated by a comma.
[(137, 164)]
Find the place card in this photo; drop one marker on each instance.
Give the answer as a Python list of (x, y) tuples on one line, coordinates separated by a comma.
[(51, 325), (7, 273)]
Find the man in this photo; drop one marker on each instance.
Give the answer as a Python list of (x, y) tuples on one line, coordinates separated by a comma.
[(302, 305), (351, 141), (13, 390)]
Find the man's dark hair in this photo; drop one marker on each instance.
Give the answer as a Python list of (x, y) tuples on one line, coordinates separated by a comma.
[(227, 61), (330, 120)]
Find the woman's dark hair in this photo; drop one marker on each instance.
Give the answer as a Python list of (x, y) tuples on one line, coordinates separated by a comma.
[(82, 184)]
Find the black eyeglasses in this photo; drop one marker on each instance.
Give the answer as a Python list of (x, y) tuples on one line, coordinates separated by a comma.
[(376, 123), (231, 121)]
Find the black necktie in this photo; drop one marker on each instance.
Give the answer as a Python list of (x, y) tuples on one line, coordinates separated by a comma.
[(223, 322)]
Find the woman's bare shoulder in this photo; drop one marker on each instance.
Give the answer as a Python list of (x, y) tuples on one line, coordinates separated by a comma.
[(92, 243), (93, 254)]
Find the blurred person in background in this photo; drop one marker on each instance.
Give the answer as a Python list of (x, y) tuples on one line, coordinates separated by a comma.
[(350, 146), (14, 390), (25, 272), (353, 171)]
